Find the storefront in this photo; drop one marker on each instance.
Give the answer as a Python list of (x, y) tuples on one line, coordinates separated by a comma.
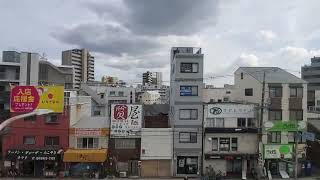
[(187, 165), (34, 163), (82, 162), (231, 164), (274, 156)]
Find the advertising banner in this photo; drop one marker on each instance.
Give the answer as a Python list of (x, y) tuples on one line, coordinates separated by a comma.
[(30, 98), (126, 119), (37, 155), (284, 125), (272, 151), (230, 110)]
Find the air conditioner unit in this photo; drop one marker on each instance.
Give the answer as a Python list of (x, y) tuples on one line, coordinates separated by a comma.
[(123, 174)]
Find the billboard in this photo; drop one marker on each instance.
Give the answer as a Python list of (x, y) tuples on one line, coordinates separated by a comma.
[(126, 120), (230, 110), (284, 126), (272, 151), (30, 98)]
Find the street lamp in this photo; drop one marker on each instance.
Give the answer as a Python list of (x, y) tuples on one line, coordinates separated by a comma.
[(37, 112)]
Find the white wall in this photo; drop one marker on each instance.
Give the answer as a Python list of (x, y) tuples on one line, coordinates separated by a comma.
[(157, 143), (79, 106), (216, 94), (34, 68)]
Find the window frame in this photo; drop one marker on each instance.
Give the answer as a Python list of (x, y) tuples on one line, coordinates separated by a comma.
[(228, 146), (191, 87), (253, 122), (239, 120), (234, 148), (189, 63), (52, 141), (294, 116), (277, 92), (190, 139), (56, 121), (275, 115), (217, 144), (95, 145), (25, 137), (248, 92), (190, 114), (125, 143), (296, 92), (277, 135)]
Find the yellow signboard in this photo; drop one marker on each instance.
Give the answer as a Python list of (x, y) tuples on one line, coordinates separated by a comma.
[(30, 98)]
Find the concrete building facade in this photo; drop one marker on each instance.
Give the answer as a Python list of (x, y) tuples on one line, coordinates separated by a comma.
[(186, 84), (150, 97), (285, 103), (152, 78), (83, 63), (217, 94)]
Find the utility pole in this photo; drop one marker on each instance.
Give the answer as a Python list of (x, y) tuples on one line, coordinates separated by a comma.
[(262, 103), (296, 155)]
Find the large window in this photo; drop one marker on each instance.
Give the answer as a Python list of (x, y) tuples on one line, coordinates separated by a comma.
[(29, 140), (241, 122), (188, 137), (224, 144), (234, 144), (251, 122), (51, 141), (248, 92), (87, 143), (215, 146), (275, 92), (215, 122), (125, 143), (296, 115), (189, 67), (275, 115), (188, 114), (274, 137), (188, 90), (296, 92)]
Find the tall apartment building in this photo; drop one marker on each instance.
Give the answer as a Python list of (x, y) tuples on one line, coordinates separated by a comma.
[(83, 63), (311, 74), (284, 113), (152, 78), (186, 84)]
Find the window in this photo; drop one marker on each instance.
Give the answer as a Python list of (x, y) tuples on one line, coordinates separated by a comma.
[(296, 115), (101, 95), (228, 92), (87, 143), (121, 93), (219, 122), (215, 144), (52, 118), (251, 122), (224, 144), (248, 92), (291, 137), (188, 114), (189, 67), (188, 90), (275, 92), (226, 99), (2, 88), (30, 118), (125, 143), (29, 140), (97, 113), (188, 137), (241, 75), (296, 92), (234, 144), (66, 98), (51, 141), (274, 137), (275, 115), (241, 122), (112, 93)]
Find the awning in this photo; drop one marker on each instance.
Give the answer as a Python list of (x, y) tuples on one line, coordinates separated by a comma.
[(85, 155)]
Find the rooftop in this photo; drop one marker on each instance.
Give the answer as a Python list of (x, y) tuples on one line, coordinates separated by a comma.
[(273, 75)]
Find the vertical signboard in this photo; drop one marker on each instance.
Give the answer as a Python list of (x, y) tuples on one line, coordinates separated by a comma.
[(126, 120)]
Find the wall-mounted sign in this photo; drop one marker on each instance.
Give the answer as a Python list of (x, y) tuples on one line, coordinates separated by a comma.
[(125, 119), (30, 98), (37, 155), (284, 125), (230, 110), (89, 131), (272, 151)]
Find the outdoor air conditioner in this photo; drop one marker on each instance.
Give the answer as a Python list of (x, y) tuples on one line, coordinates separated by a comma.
[(123, 174)]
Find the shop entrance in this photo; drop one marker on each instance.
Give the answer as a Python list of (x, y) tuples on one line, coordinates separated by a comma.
[(133, 169), (187, 165), (273, 167), (234, 167), (27, 168)]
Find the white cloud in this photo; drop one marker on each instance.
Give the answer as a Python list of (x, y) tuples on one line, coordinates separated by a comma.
[(247, 60), (267, 36)]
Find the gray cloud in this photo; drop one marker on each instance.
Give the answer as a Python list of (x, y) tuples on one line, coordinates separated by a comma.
[(154, 17), (106, 38)]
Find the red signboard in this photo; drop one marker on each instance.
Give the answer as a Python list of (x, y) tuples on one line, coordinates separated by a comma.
[(120, 112), (24, 98)]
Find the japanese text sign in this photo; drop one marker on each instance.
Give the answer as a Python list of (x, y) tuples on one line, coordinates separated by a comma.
[(230, 110), (275, 151), (125, 119), (30, 98), (37, 155)]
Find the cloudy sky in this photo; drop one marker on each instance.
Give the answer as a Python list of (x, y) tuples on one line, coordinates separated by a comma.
[(128, 37)]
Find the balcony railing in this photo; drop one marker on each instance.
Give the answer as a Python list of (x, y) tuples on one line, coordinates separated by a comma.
[(314, 109)]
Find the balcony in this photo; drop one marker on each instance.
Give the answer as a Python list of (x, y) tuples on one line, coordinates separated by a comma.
[(186, 50)]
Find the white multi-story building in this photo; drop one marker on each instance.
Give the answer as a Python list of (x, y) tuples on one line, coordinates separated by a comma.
[(152, 78), (83, 63), (230, 138), (150, 97), (284, 112), (217, 94), (186, 84)]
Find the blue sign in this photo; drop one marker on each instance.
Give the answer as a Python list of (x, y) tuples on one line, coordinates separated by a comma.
[(186, 91), (308, 136)]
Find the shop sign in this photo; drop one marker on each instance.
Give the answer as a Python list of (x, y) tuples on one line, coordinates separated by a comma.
[(284, 125), (275, 151), (87, 132), (37, 155), (230, 110), (125, 120), (30, 98)]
